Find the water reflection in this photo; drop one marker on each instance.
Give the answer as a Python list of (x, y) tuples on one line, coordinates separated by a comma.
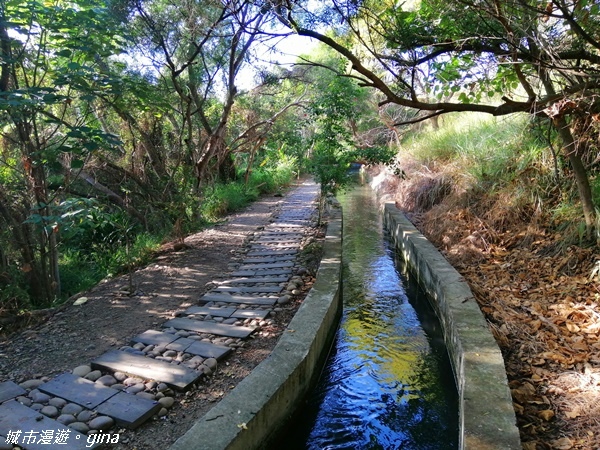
[(387, 384)]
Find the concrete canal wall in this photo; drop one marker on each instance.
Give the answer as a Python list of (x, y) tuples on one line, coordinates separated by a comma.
[(487, 419)]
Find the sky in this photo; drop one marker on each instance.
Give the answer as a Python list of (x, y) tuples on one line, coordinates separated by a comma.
[(288, 50)]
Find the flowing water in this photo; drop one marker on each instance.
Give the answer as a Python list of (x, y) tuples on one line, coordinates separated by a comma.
[(388, 382)]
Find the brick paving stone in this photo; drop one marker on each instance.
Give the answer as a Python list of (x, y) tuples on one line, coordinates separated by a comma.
[(275, 240), (78, 390), (176, 376), (239, 299), (274, 265), (17, 417), (289, 251), (264, 272), (153, 337), (264, 247), (180, 344), (280, 233), (267, 259), (290, 226), (10, 390), (254, 280), (250, 289), (128, 410), (208, 350), (210, 310), (251, 314), (209, 327)]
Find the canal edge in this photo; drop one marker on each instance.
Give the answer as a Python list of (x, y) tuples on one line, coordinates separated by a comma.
[(252, 413), (487, 420)]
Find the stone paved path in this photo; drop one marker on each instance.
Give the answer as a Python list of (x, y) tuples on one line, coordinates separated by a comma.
[(128, 386)]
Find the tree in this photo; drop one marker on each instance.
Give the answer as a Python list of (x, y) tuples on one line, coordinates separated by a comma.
[(48, 80), (498, 57), (202, 46)]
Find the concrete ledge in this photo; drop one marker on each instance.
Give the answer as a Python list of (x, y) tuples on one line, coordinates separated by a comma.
[(486, 416), (261, 403)]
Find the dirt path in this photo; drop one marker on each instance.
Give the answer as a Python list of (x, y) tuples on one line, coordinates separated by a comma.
[(110, 317)]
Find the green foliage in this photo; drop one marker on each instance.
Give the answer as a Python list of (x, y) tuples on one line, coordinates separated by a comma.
[(136, 254), (488, 149), (88, 225), (377, 154), (331, 112), (330, 167), (13, 295), (271, 176), (223, 198), (79, 271)]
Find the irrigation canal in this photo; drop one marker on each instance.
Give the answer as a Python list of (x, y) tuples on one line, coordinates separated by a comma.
[(387, 383)]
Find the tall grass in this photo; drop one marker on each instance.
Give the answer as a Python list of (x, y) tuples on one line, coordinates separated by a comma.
[(82, 270), (223, 198), (507, 165), (489, 149)]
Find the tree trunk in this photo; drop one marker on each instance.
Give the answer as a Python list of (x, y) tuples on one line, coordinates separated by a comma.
[(581, 178), (226, 168)]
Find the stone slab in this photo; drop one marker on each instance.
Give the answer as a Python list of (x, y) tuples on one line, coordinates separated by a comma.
[(244, 273), (250, 289), (280, 233), (10, 390), (289, 220), (265, 247), (274, 265), (153, 337), (180, 344), (254, 280), (287, 226), (273, 245), (208, 350), (265, 272), (78, 390), (210, 311), (129, 411), (239, 299), (33, 426), (290, 251), (275, 240), (176, 376), (250, 314), (268, 259), (209, 327)]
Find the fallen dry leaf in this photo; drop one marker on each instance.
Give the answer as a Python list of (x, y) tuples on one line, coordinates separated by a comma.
[(562, 444), (572, 414), (546, 414)]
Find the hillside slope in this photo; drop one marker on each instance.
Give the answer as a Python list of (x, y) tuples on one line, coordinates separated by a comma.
[(537, 294)]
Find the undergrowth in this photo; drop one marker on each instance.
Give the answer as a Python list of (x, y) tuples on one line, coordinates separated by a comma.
[(223, 198), (97, 243), (502, 169)]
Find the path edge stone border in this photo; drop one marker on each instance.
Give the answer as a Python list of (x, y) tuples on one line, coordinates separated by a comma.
[(486, 415), (260, 405)]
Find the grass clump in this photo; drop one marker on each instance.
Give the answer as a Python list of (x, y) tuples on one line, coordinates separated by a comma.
[(223, 198), (502, 169), (486, 148)]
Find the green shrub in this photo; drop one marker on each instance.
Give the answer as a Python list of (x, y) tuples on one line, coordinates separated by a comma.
[(78, 272), (221, 199)]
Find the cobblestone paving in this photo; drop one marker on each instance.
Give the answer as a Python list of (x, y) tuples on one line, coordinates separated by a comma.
[(126, 387)]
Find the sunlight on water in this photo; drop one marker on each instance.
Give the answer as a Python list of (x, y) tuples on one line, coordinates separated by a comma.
[(387, 384)]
